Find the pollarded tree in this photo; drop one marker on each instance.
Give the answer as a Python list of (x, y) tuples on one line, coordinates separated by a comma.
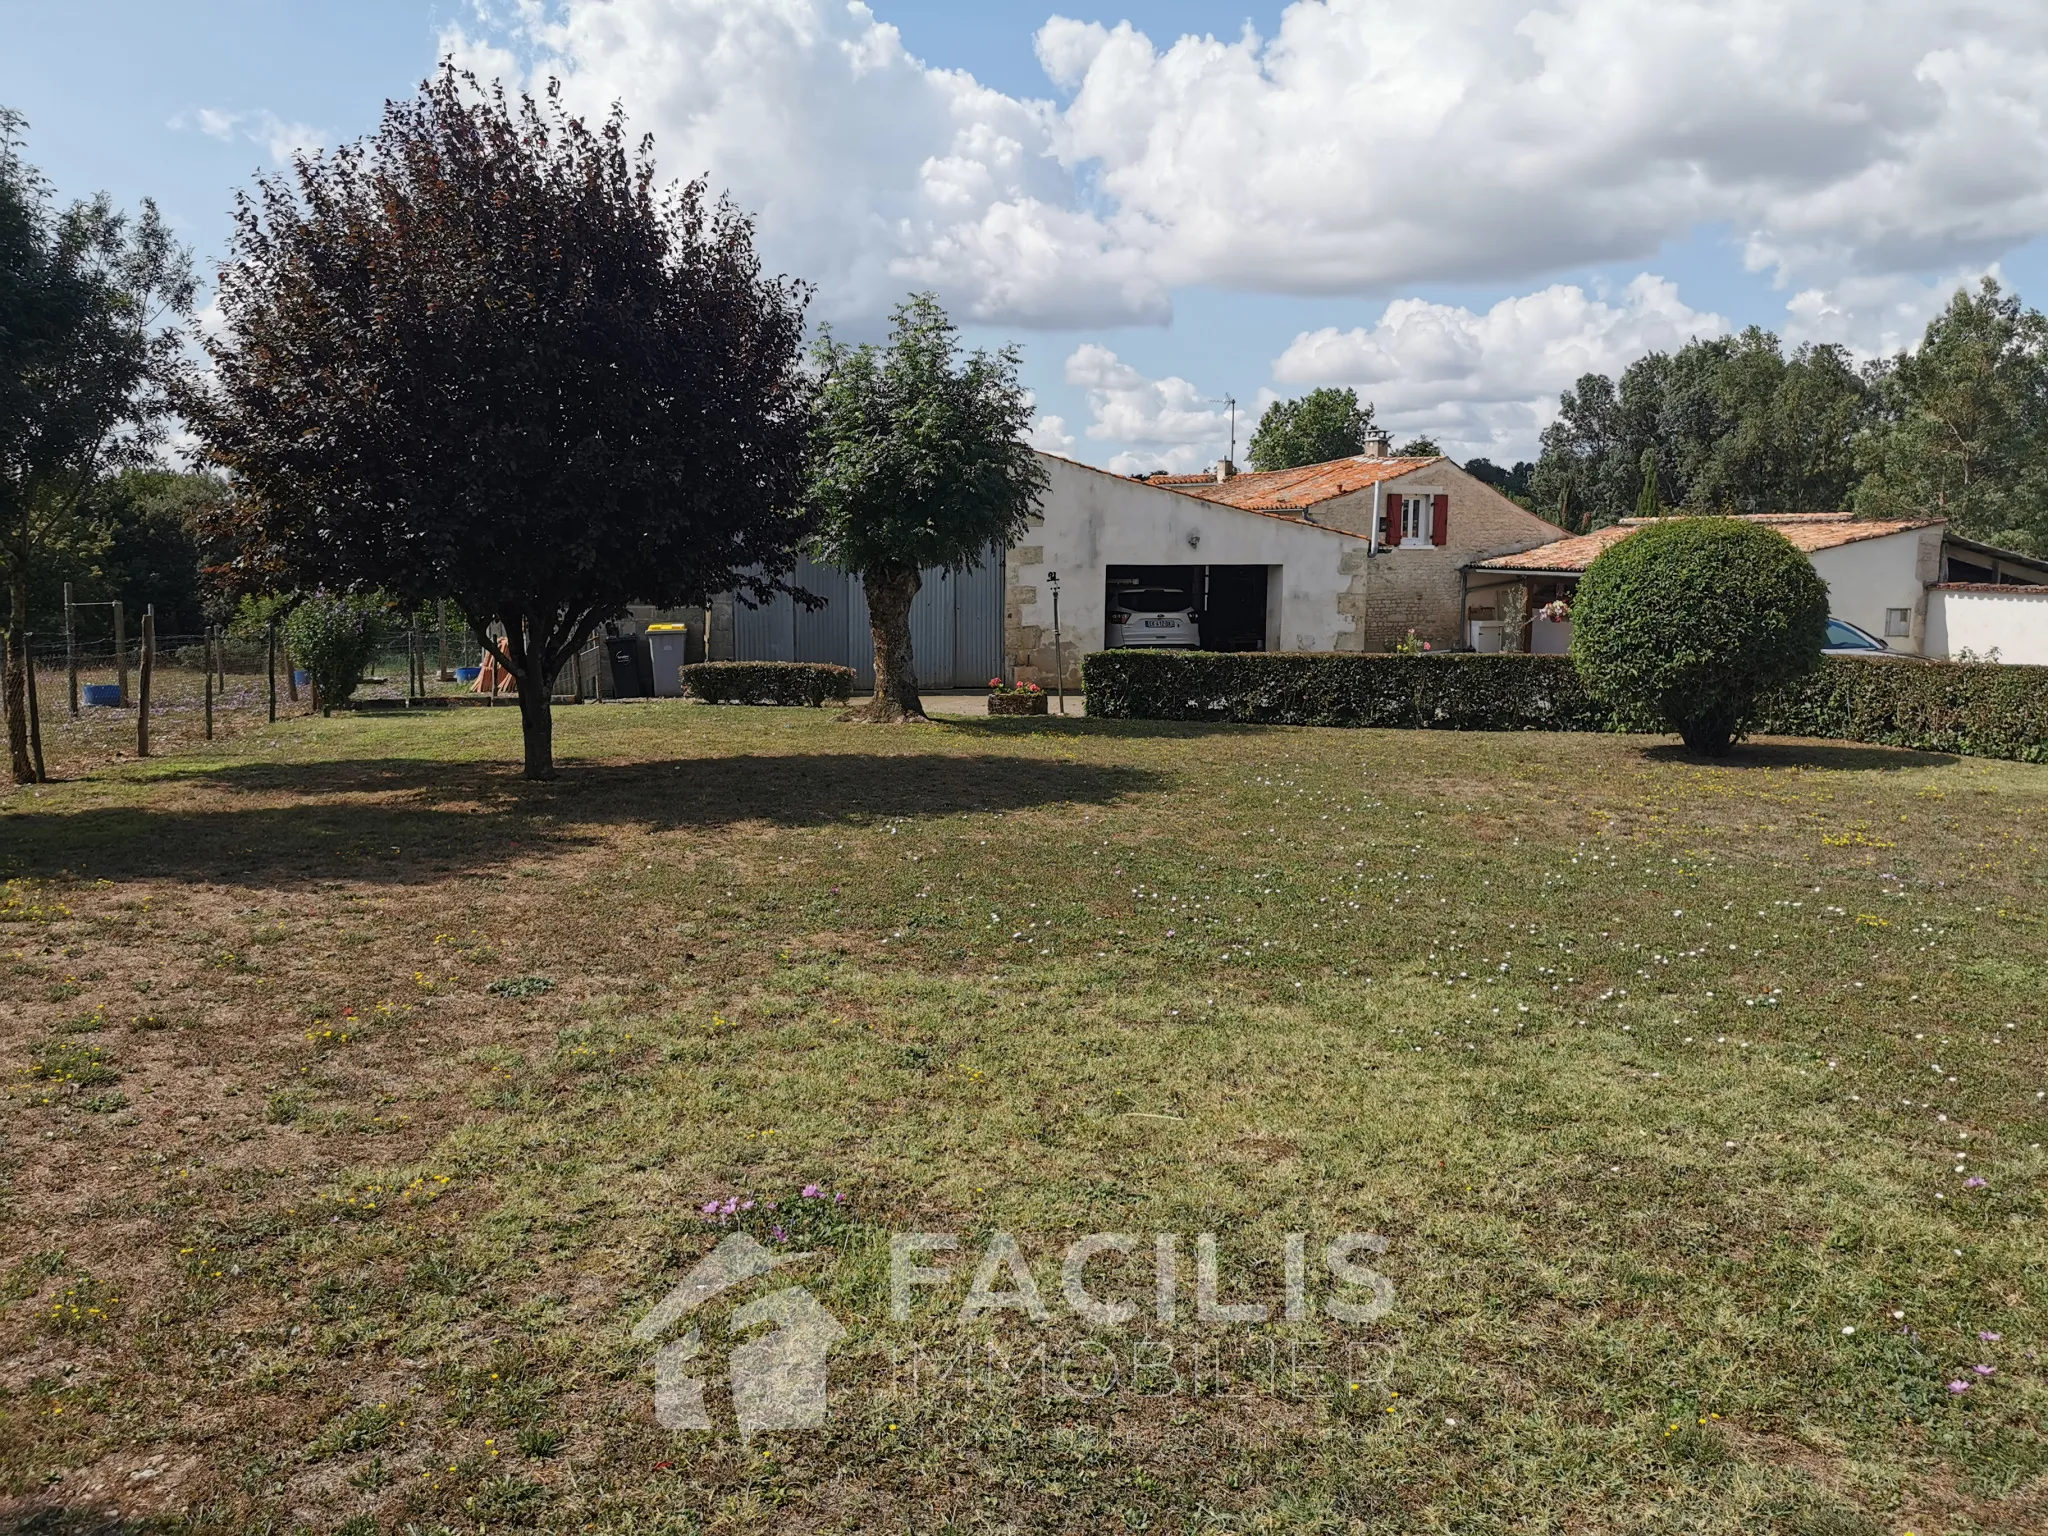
[(480, 356), (1690, 620), (920, 461), (1322, 425)]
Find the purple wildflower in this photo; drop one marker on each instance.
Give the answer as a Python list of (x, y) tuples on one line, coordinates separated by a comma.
[(1958, 1386), (1985, 1370), (841, 1198), (1989, 1337), (710, 1207), (778, 1234), (1975, 1183), (812, 1192), (746, 1205)]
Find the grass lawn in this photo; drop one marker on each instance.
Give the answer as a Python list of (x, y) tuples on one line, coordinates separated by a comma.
[(363, 1098)]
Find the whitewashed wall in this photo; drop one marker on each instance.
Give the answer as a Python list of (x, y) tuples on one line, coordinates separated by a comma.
[(2012, 621), (1091, 520), (1871, 575)]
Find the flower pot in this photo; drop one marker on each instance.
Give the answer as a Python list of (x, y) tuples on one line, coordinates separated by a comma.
[(1016, 703)]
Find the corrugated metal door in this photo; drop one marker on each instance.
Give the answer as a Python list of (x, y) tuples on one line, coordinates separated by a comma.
[(956, 625), (931, 630), (821, 632), (978, 623), (767, 633)]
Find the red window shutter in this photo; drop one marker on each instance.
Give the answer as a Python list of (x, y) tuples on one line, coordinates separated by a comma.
[(1440, 524), (1390, 516)]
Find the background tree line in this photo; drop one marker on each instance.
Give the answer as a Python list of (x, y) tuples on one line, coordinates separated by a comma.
[(1957, 428)]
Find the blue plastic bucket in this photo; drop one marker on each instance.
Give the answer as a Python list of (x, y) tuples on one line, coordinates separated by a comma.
[(103, 695), (468, 674), (302, 678)]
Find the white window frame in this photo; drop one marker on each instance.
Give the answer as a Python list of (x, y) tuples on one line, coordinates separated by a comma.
[(1426, 495)]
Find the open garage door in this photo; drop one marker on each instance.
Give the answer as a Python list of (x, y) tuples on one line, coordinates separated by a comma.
[(1229, 600)]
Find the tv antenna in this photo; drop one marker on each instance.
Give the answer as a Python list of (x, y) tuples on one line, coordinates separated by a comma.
[(1231, 402)]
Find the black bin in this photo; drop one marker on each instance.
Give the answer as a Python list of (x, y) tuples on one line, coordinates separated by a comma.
[(630, 668)]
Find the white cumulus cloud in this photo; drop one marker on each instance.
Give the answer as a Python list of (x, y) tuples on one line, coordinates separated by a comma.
[(1168, 423), (278, 138), (1875, 313), (1488, 381), (1365, 146)]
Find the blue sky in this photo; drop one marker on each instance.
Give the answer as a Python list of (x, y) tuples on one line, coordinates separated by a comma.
[(1533, 187)]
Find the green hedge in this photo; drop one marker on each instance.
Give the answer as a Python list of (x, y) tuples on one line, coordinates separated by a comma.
[(768, 682), (1449, 692), (1978, 709), (1984, 711)]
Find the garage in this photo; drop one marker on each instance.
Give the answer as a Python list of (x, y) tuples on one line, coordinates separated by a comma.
[(1229, 600)]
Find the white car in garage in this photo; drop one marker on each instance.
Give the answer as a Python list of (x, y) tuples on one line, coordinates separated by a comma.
[(1152, 616)]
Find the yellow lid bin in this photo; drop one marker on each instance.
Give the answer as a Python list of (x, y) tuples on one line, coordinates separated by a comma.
[(667, 649)]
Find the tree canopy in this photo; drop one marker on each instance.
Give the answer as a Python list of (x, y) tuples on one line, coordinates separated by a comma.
[(87, 347), (919, 461), (1962, 424), (1730, 424), (1321, 425), (481, 356), (1512, 482)]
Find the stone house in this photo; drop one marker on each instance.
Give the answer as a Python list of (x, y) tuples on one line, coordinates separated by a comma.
[(1423, 521)]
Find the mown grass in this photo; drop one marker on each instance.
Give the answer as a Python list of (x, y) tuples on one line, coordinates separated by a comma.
[(1700, 1107)]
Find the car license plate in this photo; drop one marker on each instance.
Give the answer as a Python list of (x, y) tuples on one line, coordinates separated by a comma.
[(1162, 623)]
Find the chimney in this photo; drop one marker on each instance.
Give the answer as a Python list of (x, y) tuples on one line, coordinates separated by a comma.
[(1224, 470), (1378, 445)]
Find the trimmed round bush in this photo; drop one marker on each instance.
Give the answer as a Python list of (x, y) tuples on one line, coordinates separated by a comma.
[(334, 639), (1690, 621)]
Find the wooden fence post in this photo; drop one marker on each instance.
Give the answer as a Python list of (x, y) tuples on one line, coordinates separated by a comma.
[(270, 658), (71, 648), (441, 633), (121, 649), (206, 662), (148, 675)]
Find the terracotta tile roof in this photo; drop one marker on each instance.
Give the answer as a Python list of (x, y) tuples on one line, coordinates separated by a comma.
[(1161, 483), (1291, 490), (2004, 588), (1808, 531)]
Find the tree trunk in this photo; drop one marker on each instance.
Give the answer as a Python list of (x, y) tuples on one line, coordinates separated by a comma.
[(536, 722), (890, 593), (17, 681)]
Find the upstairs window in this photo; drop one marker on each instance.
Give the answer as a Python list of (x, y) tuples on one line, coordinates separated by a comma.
[(1416, 512), (1416, 522)]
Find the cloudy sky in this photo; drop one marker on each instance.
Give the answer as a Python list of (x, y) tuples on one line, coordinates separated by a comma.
[(1456, 207)]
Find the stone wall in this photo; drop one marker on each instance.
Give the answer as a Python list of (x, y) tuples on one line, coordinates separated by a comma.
[(1398, 590)]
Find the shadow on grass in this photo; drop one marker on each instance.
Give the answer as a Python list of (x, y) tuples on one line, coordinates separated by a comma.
[(404, 820), (1838, 756), (1095, 726)]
